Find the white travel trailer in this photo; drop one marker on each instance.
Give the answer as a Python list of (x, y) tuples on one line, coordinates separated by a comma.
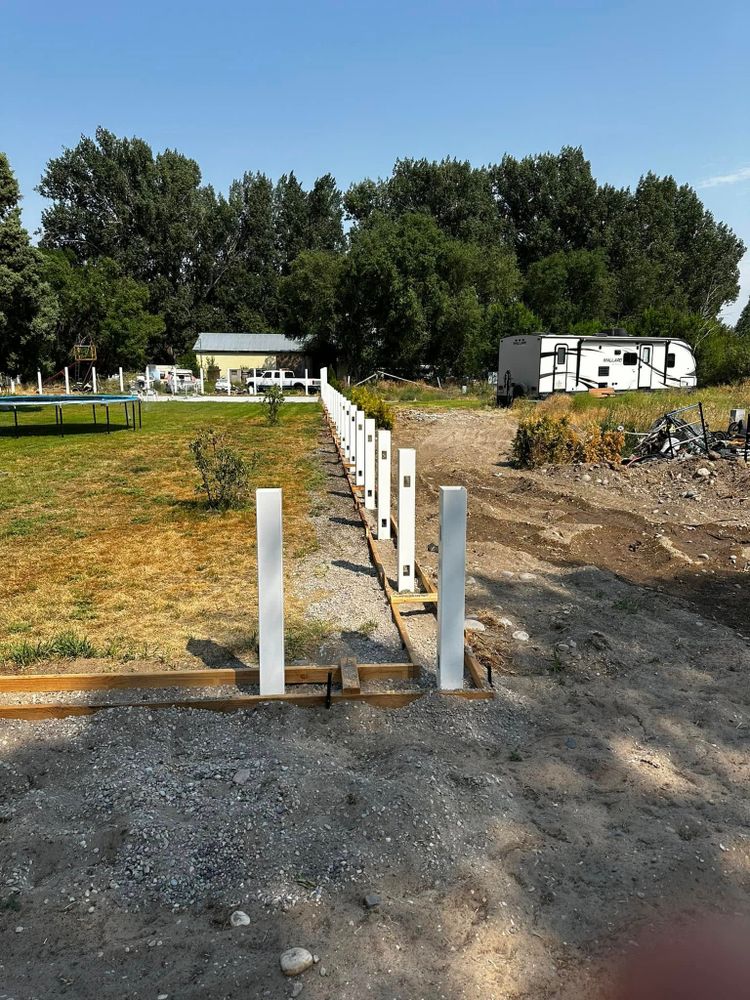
[(542, 363)]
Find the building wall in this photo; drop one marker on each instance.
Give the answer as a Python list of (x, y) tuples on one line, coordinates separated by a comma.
[(246, 360)]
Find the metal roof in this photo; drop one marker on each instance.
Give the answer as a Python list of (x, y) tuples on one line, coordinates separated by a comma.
[(247, 343)]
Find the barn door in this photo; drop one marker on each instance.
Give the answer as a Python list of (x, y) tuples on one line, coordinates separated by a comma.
[(645, 366), (560, 368)]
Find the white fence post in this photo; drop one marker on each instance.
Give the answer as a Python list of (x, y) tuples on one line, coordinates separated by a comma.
[(67, 381), (346, 430), (229, 381), (200, 372), (384, 485), (122, 383), (352, 434), (93, 379), (270, 591), (452, 588), (406, 517), (39, 381), (360, 460), (369, 464)]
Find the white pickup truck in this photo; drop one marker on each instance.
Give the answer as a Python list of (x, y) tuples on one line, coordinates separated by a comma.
[(282, 377)]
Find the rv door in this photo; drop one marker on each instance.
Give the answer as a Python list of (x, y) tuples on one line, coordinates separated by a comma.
[(560, 368), (645, 366)]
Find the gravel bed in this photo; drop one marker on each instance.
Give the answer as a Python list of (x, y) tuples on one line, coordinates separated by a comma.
[(338, 583)]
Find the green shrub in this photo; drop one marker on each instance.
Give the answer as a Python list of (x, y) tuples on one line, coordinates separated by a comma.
[(225, 475), (544, 439), (272, 400), (374, 407)]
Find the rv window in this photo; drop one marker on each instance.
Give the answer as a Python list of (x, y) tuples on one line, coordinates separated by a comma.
[(646, 355), (561, 352), (630, 358), (604, 370), (670, 360)]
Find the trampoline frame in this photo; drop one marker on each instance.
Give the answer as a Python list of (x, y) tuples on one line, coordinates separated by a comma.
[(133, 417)]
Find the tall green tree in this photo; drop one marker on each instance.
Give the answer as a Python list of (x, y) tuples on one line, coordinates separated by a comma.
[(742, 327), (413, 296), (27, 305), (310, 303), (551, 202), (112, 198), (456, 195), (570, 287), (97, 302)]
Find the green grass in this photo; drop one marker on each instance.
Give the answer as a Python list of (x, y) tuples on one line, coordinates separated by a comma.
[(425, 394), (109, 530)]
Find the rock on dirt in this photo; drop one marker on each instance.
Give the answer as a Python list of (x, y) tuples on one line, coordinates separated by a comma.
[(295, 961)]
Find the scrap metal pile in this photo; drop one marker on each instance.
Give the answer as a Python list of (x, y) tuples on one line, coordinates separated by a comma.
[(683, 433)]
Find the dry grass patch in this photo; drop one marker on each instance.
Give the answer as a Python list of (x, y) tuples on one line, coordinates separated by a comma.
[(105, 536)]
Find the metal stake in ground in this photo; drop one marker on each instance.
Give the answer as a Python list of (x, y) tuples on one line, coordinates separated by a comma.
[(406, 518), (369, 464), (384, 485), (451, 588), (270, 591)]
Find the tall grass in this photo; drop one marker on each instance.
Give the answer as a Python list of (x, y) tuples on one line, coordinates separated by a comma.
[(636, 411)]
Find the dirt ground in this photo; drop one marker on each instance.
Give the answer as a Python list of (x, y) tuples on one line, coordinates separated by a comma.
[(520, 847)]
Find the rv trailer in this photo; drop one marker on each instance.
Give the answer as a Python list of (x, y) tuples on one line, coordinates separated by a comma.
[(542, 363)]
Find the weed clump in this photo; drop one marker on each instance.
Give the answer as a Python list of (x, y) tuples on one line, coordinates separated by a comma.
[(546, 439), (272, 400), (225, 474), (374, 406)]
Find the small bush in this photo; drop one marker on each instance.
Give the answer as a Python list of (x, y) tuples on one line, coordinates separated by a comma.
[(272, 400), (551, 440), (374, 407), (225, 475)]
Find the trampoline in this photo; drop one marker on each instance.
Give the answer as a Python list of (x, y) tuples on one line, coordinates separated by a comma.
[(133, 417)]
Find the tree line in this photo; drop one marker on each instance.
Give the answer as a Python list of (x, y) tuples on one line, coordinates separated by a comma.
[(426, 268)]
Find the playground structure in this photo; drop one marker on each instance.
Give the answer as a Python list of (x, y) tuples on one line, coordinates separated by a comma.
[(131, 407), (458, 672)]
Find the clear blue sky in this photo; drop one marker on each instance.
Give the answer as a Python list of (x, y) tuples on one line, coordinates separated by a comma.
[(349, 86)]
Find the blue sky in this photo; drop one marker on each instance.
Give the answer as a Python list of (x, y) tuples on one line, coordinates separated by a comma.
[(349, 86)]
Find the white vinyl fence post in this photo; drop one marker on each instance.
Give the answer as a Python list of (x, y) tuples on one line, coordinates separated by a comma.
[(148, 382), (360, 462), (307, 382), (39, 381), (369, 464), (200, 372), (452, 588), (352, 434), (406, 517), (270, 591), (67, 381), (229, 381), (384, 485), (346, 426), (122, 383), (93, 379)]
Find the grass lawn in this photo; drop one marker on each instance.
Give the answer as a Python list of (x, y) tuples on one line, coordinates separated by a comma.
[(107, 550)]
